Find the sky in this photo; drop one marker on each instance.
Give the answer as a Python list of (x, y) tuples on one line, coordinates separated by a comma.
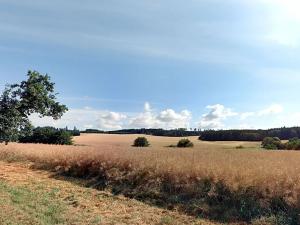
[(208, 64)]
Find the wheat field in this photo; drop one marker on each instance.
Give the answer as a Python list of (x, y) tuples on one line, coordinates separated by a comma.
[(271, 174)]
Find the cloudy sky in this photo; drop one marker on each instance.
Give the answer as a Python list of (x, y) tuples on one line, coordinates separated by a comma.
[(159, 63)]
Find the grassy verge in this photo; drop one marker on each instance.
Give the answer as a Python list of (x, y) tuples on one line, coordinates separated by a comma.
[(29, 206)]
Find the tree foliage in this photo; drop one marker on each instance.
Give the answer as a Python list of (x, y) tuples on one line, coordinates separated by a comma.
[(48, 135), (185, 143), (158, 132), (293, 144), (141, 142), (93, 131), (272, 143), (74, 132), (19, 101), (283, 133)]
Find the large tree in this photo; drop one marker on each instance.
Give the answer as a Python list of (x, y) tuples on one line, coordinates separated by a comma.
[(19, 101)]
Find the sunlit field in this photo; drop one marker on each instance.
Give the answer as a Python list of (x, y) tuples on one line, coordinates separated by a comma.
[(204, 180)]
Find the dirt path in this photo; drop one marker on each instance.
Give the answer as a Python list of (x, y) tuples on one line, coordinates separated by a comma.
[(35, 197)]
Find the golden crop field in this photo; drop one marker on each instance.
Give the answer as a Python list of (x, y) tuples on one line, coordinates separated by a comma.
[(218, 172)]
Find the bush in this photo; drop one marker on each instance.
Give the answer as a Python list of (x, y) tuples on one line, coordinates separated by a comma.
[(293, 144), (272, 143), (185, 143), (141, 142), (48, 135)]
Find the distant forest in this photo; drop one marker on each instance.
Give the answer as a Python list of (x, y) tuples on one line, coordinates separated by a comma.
[(154, 132), (283, 133)]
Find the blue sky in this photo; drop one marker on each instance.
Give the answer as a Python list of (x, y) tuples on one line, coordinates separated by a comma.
[(136, 63)]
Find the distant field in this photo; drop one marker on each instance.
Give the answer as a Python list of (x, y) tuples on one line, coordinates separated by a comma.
[(125, 141), (213, 180)]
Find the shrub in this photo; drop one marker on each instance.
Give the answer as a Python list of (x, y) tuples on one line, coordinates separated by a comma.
[(48, 135), (239, 147), (293, 144), (62, 137), (185, 143), (272, 143), (275, 143), (141, 142)]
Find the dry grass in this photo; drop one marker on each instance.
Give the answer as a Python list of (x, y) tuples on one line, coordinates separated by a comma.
[(30, 197), (248, 176)]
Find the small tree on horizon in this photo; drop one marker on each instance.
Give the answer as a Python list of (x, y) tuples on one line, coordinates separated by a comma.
[(19, 101)]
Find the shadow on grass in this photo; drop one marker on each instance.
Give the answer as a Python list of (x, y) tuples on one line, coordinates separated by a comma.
[(200, 198)]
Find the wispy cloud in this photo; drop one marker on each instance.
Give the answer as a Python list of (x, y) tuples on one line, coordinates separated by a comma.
[(272, 109), (215, 117), (184, 38)]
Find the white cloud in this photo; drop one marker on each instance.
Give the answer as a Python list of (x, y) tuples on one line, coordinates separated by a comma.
[(271, 110), (147, 107), (111, 121), (83, 119), (215, 117), (74, 117), (107, 120), (144, 120), (167, 119), (171, 119)]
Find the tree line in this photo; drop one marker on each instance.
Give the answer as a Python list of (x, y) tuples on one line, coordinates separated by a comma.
[(50, 135), (181, 132), (283, 133)]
